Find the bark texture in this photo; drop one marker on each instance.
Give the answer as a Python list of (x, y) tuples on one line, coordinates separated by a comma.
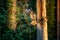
[(12, 14), (41, 20)]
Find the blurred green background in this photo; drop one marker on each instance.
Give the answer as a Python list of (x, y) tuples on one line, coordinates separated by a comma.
[(25, 31)]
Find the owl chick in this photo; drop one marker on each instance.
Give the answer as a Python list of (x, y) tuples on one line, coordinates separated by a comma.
[(32, 16)]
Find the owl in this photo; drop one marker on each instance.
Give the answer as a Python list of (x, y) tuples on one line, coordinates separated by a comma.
[(33, 17)]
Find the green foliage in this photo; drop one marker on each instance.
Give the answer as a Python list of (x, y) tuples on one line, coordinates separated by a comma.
[(24, 30), (51, 19), (33, 5), (24, 27)]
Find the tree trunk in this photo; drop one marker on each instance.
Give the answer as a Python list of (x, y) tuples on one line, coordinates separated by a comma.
[(41, 20), (45, 34), (12, 14), (39, 16), (58, 19)]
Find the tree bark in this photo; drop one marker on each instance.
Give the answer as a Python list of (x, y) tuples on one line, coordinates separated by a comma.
[(41, 20), (58, 19), (12, 14), (39, 16), (45, 34)]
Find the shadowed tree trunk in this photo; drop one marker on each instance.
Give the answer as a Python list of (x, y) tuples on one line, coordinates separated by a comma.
[(39, 16), (58, 19), (12, 14)]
